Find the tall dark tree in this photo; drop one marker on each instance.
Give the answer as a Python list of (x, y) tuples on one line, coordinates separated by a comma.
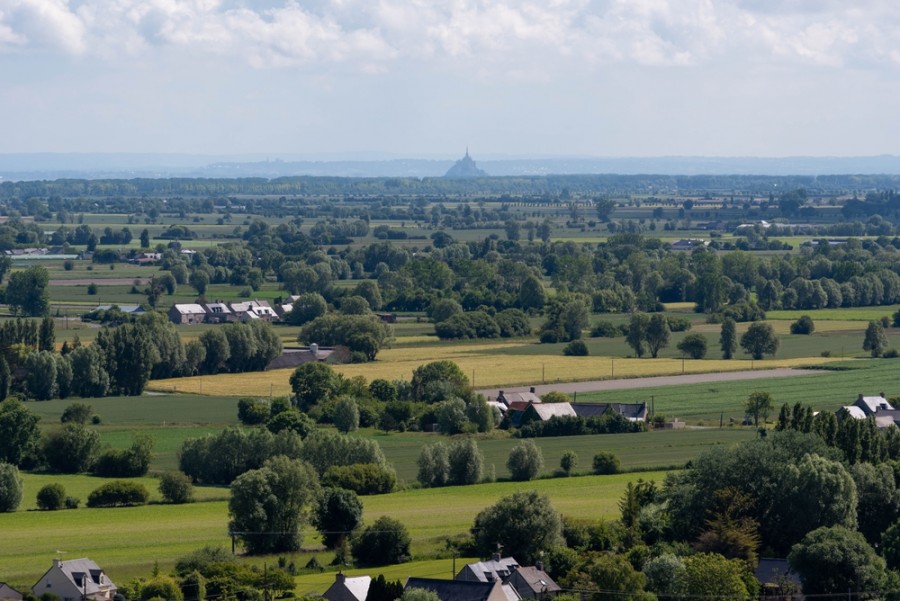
[(47, 335), (129, 356), (19, 433), (657, 334), (728, 338), (27, 292), (338, 514)]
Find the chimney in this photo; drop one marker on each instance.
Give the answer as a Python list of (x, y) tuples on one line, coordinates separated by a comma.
[(57, 563), (495, 557), (882, 395), (532, 390), (339, 577), (860, 397), (539, 565)]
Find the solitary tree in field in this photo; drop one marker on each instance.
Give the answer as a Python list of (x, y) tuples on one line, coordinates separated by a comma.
[(875, 340), (759, 340), (759, 405)]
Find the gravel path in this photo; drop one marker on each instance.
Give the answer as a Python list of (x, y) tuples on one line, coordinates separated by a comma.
[(629, 383)]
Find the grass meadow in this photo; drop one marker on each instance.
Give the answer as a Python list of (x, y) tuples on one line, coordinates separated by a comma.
[(128, 541)]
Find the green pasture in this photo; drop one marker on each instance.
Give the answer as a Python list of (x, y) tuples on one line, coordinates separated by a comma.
[(864, 314), (128, 541), (157, 410), (707, 402), (80, 486), (640, 451)]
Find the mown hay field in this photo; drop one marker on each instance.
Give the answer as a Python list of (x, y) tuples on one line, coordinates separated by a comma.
[(486, 365)]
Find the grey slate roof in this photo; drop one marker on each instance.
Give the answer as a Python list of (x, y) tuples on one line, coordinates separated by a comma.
[(454, 590)]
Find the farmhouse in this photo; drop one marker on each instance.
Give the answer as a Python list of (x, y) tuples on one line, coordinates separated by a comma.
[(460, 590), (188, 313), (495, 568), (526, 582), (877, 407), (508, 398), (532, 582), (75, 580), (348, 589), (633, 412), (689, 244)]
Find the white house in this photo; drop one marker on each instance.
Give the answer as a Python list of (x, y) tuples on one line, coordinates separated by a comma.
[(75, 580)]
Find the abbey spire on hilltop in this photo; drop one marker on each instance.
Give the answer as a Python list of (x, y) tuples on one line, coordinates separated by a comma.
[(465, 167)]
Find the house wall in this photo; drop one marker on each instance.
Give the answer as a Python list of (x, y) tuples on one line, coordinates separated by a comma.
[(56, 582), (7, 593)]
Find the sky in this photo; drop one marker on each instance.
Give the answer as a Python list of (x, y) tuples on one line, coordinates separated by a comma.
[(425, 79)]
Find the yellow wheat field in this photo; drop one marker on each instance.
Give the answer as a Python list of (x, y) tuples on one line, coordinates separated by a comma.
[(485, 369)]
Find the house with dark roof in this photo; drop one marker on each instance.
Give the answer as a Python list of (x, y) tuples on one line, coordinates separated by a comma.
[(8, 593), (508, 398), (526, 582), (75, 580), (532, 582), (460, 590), (634, 412), (495, 568), (348, 589)]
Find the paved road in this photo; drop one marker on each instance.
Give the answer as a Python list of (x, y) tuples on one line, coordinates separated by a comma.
[(630, 383)]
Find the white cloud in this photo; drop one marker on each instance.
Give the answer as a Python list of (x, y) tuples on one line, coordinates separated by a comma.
[(499, 35)]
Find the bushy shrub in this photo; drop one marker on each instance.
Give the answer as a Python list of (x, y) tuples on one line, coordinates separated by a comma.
[(679, 324), (163, 587), (176, 487), (51, 497), (525, 461), (253, 411), (119, 493), (10, 487), (361, 478), (385, 542), (576, 348), (605, 329), (606, 463), (803, 326), (79, 413), (568, 462), (126, 463)]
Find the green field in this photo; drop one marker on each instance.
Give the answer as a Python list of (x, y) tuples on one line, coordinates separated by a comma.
[(127, 541)]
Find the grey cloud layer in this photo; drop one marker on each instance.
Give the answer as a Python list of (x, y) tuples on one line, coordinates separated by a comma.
[(374, 34)]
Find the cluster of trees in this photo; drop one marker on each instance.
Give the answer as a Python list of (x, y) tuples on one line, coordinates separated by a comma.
[(269, 506), (123, 358), (438, 396), (701, 532)]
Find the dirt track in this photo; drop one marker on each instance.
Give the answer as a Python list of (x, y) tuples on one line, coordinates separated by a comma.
[(629, 383)]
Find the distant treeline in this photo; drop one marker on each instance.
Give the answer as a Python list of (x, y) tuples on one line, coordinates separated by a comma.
[(535, 186)]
